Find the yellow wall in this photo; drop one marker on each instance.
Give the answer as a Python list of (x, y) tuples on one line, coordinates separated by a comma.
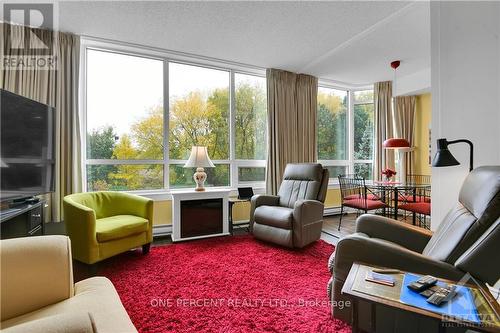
[(332, 198), (241, 211), (162, 212), (422, 125)]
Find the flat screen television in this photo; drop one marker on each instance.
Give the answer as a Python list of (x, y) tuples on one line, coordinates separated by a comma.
[(27, 158)]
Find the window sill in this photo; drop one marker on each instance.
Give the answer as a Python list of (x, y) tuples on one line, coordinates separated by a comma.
[(164, 195)]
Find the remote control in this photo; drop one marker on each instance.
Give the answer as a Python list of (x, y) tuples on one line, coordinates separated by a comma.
[(425, 282), (442, 295), (386, 270), (428, 292)]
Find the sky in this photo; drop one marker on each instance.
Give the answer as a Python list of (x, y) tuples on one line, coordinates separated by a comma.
[(121, 87)]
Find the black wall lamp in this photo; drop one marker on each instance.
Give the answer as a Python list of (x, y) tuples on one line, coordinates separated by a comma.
[(444, 158)]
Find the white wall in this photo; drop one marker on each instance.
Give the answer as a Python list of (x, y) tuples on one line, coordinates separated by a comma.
[(465, 64), (413, 84)]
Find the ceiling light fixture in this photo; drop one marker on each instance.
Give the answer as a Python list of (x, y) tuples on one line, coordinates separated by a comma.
[(395, 64)]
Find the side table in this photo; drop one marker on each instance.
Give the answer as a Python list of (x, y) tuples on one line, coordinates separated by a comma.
[(386, 313), (231, 202)]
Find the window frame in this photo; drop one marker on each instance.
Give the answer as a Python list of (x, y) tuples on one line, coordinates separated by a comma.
[(167, 57), (350, 161)]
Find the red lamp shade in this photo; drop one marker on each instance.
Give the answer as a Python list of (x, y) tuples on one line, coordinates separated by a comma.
[(396, 143)]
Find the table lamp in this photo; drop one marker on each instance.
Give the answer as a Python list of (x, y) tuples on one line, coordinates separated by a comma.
[(444, 157), (199, 159)]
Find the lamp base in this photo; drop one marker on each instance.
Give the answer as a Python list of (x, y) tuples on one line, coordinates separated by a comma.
[(199, 178)]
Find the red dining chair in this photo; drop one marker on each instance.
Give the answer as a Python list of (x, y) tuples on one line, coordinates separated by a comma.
[(355, 194), (419, 205), (407, 195)]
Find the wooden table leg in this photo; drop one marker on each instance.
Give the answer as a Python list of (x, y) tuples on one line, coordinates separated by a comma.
[(355, 327), (395, 203), (373, 317), (230, 217)]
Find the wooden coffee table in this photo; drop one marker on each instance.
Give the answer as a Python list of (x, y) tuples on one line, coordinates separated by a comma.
[(403, 317)]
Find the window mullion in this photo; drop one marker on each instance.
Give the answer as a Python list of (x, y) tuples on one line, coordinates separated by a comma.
[(233, 172), (83, 113), (166, 120), (351, 131)]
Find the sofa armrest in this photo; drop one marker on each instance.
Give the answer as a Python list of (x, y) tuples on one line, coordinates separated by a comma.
[(261, 200), (307, 212), (35, 272), (376, 252), (411, 237), (80, 224), (79, 322)]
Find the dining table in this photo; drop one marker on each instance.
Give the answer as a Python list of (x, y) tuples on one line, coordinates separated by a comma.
[(391, 190)]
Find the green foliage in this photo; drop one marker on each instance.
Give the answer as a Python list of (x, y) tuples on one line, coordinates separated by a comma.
[(147, 133), (363, 131), (364, 96), (332, 127), (201, 119), (363, 169), (100, 145), (250, 122), (197, 121), (194, 120)]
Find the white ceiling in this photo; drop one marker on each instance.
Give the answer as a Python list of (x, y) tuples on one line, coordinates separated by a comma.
[(345, 41)]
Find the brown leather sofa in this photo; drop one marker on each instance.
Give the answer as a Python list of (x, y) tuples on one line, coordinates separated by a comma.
[(294, 217), (467, 240)]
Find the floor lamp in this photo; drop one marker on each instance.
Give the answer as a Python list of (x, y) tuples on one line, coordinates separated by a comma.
[(444, 157)]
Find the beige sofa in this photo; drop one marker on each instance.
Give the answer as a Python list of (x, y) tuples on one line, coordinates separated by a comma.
[(38, 295)]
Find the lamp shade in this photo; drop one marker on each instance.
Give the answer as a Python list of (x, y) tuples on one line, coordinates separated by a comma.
[(396, 143), (444, 157), (199, 158)]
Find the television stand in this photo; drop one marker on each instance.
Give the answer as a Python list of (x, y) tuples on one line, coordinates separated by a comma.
[(22, 220)]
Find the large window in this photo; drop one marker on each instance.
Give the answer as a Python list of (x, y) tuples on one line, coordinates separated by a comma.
[(332, 124), (250, 123), (143, 115), (199, 116), (345, 131), (363, 132), (124, 122)]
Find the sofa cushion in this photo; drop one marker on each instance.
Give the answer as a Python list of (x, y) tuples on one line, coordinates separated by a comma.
[(417, 207), (96, 296), (119, 226), (275, 216), (364, 204), (449, 234), (77, 322)]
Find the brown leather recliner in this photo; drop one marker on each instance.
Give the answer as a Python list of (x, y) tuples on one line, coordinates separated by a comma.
[(467, 240), (294, 217)]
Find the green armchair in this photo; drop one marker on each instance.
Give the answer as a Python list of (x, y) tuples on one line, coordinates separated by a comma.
[(103, 224)]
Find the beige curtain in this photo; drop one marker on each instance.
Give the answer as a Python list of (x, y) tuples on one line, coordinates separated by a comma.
[(291, 109), (57, 88), (404, 122), (383, 158)]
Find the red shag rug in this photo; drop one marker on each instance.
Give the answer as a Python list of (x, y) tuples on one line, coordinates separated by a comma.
[(230, 284)]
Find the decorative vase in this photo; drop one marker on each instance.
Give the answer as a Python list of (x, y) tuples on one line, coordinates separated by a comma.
[(199, 178)]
